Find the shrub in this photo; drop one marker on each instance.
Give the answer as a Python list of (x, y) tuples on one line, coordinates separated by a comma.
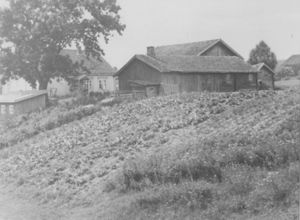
[(276, 189), (187, 195), (142, 173)]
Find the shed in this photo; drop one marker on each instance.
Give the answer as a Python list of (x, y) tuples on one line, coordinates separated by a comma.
[(22, 102), (265, 76)]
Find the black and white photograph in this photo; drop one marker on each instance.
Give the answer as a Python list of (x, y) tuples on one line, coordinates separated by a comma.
[(149, 110)]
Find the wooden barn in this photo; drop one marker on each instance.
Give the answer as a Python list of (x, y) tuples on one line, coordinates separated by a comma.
[(22, 102), (266, 76), (201, 66)]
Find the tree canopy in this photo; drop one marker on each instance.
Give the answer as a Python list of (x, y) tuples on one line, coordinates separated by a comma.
[(34, 32), (263, 54)]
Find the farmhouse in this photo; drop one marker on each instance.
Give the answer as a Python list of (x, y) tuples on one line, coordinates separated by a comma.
[(265, 76), (99, 79), (202, 66), (22, 102), (101, 74)]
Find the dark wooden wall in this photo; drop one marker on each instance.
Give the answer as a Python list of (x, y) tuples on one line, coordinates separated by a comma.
[(218, 50), (137, 70), (266, 77), (212, 82), (245, 81)]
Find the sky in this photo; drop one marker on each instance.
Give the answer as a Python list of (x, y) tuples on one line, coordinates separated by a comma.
[(240, 23)]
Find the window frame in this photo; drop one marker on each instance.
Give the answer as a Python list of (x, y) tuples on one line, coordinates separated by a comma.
[(104, 84), (100, 85), (11, 109), (3, 109)]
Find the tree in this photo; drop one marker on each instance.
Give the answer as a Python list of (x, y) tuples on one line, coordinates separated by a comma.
[(34, 32), (263, 54)]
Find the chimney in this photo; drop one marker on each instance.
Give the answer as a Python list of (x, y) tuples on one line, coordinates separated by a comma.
[(151, 51)]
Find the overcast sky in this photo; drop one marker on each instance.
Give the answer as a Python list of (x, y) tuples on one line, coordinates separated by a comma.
[(240, 23)]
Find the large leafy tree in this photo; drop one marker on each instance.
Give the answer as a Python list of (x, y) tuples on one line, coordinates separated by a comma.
[(34, 32), (263, 54)]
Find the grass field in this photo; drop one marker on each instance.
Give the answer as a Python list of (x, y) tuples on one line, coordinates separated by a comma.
[(189, 156), (292, 82)]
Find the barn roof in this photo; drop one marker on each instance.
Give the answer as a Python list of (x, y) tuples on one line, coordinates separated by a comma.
[(207, 64), (96, 67), (260, 66), (195, 64), (155, 63), (190, 49)]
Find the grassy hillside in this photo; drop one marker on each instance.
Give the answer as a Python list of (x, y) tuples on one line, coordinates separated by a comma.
[(17, 129), (190, 156)]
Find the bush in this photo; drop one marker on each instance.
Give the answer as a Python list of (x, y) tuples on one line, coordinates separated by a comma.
[(278, 188), (186, 196), (142, 173)]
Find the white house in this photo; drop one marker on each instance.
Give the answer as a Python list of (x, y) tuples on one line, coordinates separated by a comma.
[(100, 79)]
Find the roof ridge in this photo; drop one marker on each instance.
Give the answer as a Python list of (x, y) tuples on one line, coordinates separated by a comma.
[(259, 66), (154, 58), (194, 42), (196, 56), (194, 64), (192, 48)]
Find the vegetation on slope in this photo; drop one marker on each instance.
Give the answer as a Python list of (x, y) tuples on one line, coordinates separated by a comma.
[(17, 129), (228, 176), (218, 156)]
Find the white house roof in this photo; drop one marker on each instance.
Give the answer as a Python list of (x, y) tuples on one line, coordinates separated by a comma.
[(20, 96)]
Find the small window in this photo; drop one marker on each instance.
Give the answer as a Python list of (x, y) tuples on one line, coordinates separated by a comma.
[(228, 79), (3, 109), (251, 78), (104, 84), (100, 84), (11, 109)]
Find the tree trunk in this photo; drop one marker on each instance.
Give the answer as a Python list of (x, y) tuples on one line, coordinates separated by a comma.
[(43, 84)]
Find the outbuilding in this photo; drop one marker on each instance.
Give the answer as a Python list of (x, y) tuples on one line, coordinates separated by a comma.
[(265, 76), (22, 102)]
